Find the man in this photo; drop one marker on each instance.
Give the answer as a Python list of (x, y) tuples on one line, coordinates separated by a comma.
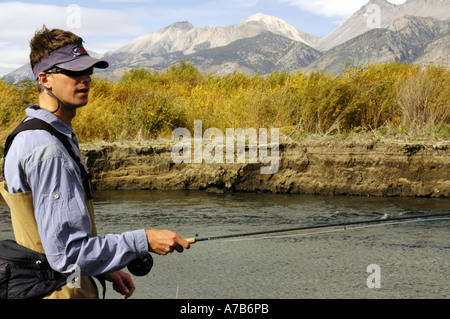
[(50, 211)]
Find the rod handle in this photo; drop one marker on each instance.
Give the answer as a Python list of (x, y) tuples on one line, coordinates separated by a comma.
[(190, 240)]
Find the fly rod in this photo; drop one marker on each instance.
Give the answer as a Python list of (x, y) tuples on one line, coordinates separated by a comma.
[(344, 224), (142, 266)]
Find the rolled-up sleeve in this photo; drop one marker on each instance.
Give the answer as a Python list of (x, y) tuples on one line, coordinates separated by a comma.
[(64, 222)]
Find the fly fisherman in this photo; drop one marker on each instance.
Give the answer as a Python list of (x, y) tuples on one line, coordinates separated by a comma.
[(51, 210)]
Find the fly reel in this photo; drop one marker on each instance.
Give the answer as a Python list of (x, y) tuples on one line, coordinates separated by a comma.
[(141, 266)]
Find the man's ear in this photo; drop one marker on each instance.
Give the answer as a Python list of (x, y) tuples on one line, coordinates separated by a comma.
[(45, 80)]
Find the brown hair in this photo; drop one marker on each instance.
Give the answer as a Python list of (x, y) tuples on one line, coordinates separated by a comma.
[(46, 41)]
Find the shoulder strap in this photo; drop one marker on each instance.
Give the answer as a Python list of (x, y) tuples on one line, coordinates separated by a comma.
[(37, 124)]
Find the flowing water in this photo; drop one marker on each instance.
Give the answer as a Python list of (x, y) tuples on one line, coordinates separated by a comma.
[(412, 258)]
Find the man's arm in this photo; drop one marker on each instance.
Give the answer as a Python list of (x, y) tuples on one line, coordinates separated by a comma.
[(64, 223)]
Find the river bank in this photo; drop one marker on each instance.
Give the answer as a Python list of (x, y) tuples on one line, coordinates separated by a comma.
[(325, 166)]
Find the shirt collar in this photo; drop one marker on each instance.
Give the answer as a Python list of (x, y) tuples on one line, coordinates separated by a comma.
[(51, 119)]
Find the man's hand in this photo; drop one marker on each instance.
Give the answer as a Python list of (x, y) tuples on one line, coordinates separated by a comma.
[(122, 283), (163, 242)]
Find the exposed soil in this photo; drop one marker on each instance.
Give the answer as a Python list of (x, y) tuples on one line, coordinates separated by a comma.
[(323, 166)]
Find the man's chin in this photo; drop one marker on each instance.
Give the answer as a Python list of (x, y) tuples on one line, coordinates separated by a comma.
[(81, 104)]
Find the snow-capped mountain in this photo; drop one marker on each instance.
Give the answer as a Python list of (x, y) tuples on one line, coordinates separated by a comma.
[(280, 27), (404, 40), (264, 44), (184, 37), (383, 13)]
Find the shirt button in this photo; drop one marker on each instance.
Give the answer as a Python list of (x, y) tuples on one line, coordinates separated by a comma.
[(56, 196)]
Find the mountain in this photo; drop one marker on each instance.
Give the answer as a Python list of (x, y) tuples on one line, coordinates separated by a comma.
[(365, 19), (405, 40), (278, 26), (263, 54), (216, 49), (414, 32), (437, 51), (278, 46), (185, 38)]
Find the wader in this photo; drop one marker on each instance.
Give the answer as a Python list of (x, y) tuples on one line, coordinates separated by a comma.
[(26, 232)]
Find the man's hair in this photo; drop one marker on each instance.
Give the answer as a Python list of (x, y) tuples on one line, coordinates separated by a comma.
[(46, 41)]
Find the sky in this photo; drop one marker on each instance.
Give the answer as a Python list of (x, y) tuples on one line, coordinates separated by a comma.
[(107, 25)]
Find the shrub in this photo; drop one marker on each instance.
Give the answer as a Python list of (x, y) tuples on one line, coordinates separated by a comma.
[(147, 104)]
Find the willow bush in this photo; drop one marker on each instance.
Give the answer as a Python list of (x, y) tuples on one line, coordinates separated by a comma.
[(147, 104), (13, 101)]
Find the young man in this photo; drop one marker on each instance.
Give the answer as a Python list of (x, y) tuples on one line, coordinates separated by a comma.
[(50, 211)]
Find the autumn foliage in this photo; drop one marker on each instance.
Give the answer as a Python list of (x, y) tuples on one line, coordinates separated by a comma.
[(147, 104)]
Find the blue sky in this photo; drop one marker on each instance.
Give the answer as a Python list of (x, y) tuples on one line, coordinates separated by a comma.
[(109, 24)]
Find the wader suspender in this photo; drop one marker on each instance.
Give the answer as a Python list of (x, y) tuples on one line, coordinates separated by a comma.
[(37, 124)]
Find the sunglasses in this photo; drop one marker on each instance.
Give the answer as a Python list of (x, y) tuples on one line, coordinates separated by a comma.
[(73, 74)]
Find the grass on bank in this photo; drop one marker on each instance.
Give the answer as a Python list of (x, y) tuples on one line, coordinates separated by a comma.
[(394, 100)]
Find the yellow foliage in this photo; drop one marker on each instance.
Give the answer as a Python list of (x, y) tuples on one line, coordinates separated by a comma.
[(147, 104)]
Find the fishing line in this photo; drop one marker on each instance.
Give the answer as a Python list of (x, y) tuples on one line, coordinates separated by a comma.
[(332, 231), (143, 265), (178, 286), (344, 224)]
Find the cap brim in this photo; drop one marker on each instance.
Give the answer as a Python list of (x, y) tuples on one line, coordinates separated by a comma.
[(82, 63)]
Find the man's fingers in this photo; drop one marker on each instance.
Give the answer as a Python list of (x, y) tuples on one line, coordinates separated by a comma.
[(164, 242)]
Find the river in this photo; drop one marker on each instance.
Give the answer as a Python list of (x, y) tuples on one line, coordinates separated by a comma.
[(411, 259)]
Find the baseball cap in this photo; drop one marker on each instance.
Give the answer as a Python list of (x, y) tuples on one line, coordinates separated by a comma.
[(72, 57)]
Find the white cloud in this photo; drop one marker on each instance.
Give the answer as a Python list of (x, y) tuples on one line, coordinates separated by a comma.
[(397, 1), (333, 8), (328, 8), (20, 21)]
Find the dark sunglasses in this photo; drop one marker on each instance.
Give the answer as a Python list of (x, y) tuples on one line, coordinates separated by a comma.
[(73, 74)]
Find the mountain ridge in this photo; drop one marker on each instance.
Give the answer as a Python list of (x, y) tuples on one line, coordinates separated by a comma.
[(403, 41), (184, 37), (361, 21), (351, 43)]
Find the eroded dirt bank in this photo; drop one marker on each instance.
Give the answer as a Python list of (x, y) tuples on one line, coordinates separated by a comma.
[(329, 167)]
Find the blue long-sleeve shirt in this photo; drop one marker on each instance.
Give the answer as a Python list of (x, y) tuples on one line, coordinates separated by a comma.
[(38, 162)]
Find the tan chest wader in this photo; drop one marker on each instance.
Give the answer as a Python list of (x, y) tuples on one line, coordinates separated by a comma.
[(26, 230)]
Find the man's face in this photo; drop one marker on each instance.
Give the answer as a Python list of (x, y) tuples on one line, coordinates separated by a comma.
[(71, 88)]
